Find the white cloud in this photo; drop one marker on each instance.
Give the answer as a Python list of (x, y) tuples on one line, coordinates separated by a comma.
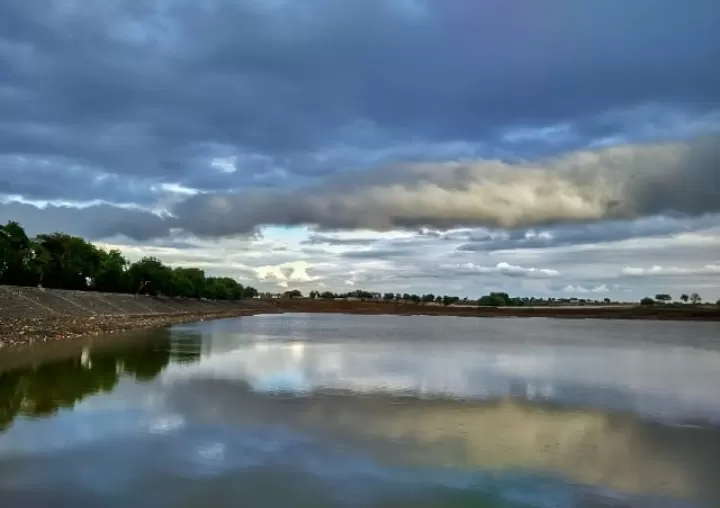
[(710, 269), (508, 269), (285, 273), (581, 289)]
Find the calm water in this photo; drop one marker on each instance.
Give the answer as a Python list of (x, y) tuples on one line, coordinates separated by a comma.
[(330, 410)]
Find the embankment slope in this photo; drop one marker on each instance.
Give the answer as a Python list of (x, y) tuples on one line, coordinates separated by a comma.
[(35, 314)]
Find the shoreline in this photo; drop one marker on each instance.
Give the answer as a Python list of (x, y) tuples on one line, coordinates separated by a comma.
[(655, 313), (30, 331), (25, 331)]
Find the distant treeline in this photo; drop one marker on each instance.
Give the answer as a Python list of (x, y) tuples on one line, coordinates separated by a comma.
[(62, 261), (496, 299)]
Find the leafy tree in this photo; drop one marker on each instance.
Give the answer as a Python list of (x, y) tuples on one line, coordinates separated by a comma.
[(389, 297), (684, 298), (58, 260), (16, 255), (112, 276), (663, 297), (294, 293), (180, 284), (327, 295), (492, 300), (695, 298), (429, 298), (606, 301), (150, 276), (449, 300), (69, 261), (505, 297), (249, 292), (647, 301)]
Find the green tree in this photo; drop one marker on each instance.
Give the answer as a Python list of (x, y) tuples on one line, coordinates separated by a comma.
[(249, 292), (449, 300), (150, 276), (695, 298), (192, 280), (492, 300), (112, 276), (389, 297), (16, 255), (684, 298), (647, 301), (69, 261), (180, 284), (663, 297)]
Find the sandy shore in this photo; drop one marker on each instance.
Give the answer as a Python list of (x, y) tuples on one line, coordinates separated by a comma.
[(23, 331), (659, 312)]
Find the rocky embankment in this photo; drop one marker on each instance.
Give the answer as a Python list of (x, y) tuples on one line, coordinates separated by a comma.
[(30, 315)]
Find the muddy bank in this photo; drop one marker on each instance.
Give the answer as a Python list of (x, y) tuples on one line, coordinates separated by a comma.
[(675, 313), (24, 331)]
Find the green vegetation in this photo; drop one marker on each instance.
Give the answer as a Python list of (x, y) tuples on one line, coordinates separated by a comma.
[(63, 261), (496, 299), (647, 301)]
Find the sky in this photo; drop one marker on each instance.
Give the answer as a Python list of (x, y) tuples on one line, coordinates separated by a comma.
[(550, 149)]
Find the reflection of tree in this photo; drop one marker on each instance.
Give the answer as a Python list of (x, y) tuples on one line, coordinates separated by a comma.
[(42, 390)]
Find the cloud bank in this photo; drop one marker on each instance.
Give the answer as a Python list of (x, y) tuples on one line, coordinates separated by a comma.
[(620, 182)]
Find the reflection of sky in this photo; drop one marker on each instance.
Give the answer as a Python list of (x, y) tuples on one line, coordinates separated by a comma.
[(200, 421), (656, 380)]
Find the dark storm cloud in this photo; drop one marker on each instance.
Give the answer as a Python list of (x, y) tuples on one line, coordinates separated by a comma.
[(310, 87), (617, 183), (90, 223)]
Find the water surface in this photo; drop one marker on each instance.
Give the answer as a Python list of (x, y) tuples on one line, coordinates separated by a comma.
[(334, 410)]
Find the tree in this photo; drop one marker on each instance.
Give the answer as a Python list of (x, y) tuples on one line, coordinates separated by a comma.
[(249, 292), (505, 297), (606, 301), (695, 298), (389, 297), (16, 255), (429, 298), (112, 276), (293, 293), (491, 300), (684, 298), (150, 276), (69, 261), (663, 297), (647, 301)]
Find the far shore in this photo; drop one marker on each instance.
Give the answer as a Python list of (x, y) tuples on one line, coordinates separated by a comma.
[(649, 312)]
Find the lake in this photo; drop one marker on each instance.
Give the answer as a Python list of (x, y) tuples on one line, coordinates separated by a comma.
[(300, 410)]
